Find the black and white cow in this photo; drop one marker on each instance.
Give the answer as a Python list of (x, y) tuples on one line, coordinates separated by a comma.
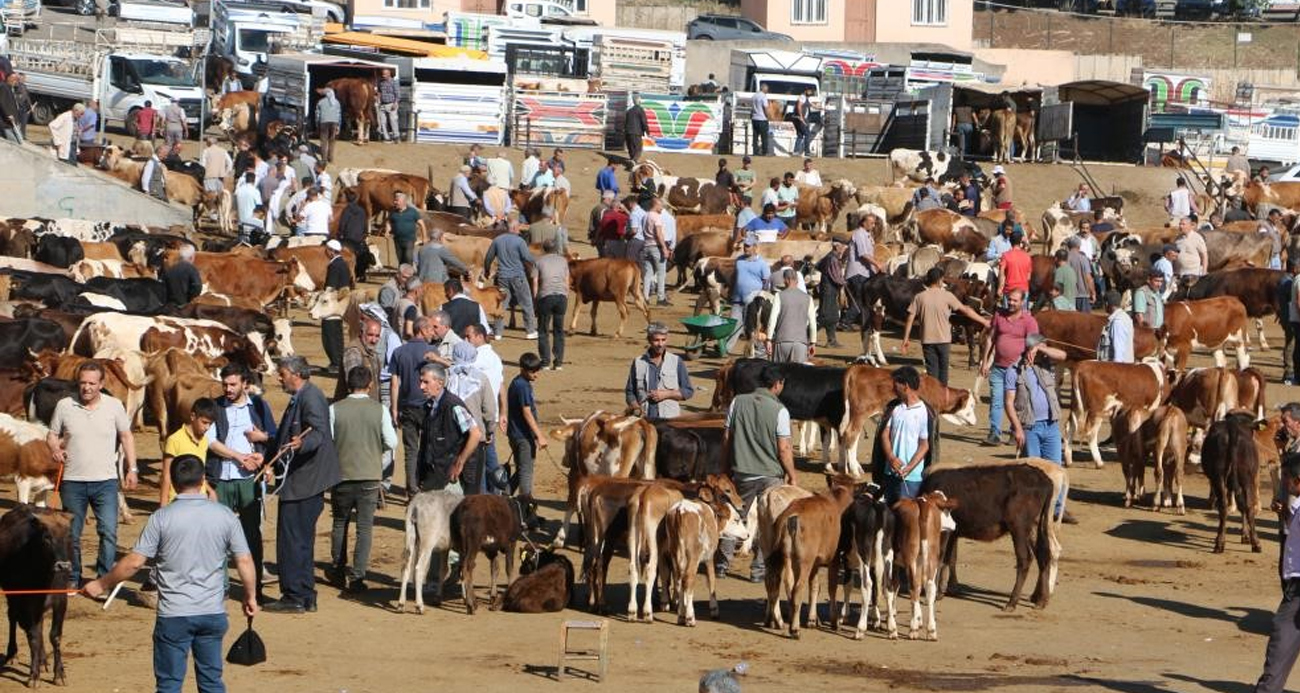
[(921, 164), (60, 251), (811, 393), (880, 298)]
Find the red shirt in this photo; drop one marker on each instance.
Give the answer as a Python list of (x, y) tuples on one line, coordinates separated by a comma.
[(1016, 268), (144, 120), (1009, 336), (612, 225)]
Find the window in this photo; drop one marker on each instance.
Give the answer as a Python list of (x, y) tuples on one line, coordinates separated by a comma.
[(407, 4), (930, 12), (724, 23), (580, 6), (808, 11)]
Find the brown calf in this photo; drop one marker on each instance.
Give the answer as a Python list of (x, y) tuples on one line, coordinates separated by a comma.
[(808, 532), (490, 524), (606, 279), (918, 525), (1162, 439), (1231, 461), (604, 444), (25, 457), (1101, 388), (1208, 323), (692, 530)]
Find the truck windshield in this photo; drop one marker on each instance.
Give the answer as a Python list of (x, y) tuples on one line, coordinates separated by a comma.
[(788, 88), (254, 40), (164, 73)]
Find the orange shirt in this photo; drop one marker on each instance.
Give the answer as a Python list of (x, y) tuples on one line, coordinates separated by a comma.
[(1016, 268)]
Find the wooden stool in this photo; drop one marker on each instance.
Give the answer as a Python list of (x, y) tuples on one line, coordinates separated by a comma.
[(601, 654)]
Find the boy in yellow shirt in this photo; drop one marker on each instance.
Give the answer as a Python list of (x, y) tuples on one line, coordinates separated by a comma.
[(190, 439)]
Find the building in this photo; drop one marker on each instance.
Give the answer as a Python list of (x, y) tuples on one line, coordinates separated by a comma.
[(406, 14), (946, 22)]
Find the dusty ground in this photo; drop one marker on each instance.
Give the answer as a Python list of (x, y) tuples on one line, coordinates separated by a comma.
[(1142, 606)]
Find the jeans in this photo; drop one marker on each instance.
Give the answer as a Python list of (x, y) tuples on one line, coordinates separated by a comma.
[(471, 475), (965, 137), (936, 358), (295, 541), (800, 138), (762, 138), (1083, 304), (411, 421), (653, 270), (175, 637), (997, 399), (349, 496), (1283, 642), (632, 249), (517, 288), (738, 314), (550, 318), (243, 496), (388, 129), (750, 488), (525, 454), (1043, 439), (100, 496), (896, 488)]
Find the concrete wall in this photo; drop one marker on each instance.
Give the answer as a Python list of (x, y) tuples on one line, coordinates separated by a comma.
[(35, 184), (1034, 67), (894, 24), (665, 17)]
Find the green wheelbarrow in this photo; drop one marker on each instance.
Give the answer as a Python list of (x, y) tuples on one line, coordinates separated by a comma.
[(706, 330)]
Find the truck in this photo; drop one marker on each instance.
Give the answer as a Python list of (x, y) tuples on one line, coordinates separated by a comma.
[(787, 74), (247, 32), (122, 70), (153, 12)]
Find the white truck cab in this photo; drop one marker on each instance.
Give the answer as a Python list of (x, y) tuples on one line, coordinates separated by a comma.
[(540, 9)]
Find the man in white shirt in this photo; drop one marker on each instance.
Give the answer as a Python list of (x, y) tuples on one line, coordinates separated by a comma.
[(1284, 641), (1179, 202), (153, 179), (1193, 256), (247, 200), (769, 195), (500, 172), (758, 119), (324, 182), (489, 363), (809, 175), (314, 219)]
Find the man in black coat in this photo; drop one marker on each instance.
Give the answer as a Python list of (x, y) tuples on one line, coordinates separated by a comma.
[(337, 277), (312, 468), (634, 128), (352, 233), (181, 281)]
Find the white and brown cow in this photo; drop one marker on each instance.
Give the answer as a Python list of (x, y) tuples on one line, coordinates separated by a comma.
[(204, 338), (692, 532), (605, 444), (951, 231), (1101, 388), (26, 457), (1210, 323), (818, 208), (919, 522)]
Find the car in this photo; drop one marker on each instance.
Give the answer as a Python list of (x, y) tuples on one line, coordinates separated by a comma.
[(719, 27), (1289, 175)]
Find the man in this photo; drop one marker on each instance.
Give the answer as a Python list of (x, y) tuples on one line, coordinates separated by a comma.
[(496, 205), (1099, 224), (861, 262), (23, 99), (1064, 284), (463, 197), (769, 194), (146, 120), (926, 197), (935, 306), (323, 182), (787, 200), (514, 261), (1273, 228), (1001, 188), (337, 277), (406, 225), (1149, 302), (1237, 166), (767, 228), (217, 166), (545, 177), (808, 175), (799, 119), (389, 130), (464, 311), (1180, 203), (65, 133), (392, 290), (548, 229), (362, 432), (752, 274), (88, 123), (1001, 242), (436, 262), (552, 304), (971, 192), (1003, 346), (1033, 407), (725, 179), (231, 84), (758, 121), (312, 470), (329, 116), (831, 267), (657, 380), (181, 281), (408, 307), (86, 433), (190, 541), (776, 282), (963, 118), (614, 223), (406, 400), (654, 255), (153, 179), (450, 435), (1080, 201), (635, 127), (1116, 341), (363, 351), (1165, 265), (607, 180), (302, 164), (500, 172), (1193, 257), (594, 221), (759, 454), (488, 362), (1085, 291), (314, 217), (443, 339), (236, 451), (474, 390), (744, 216), (532, 163), (904, 443), (792, 325), (354, 229), (1016, 265), (744, 178), (176, 125), (1284, 639)]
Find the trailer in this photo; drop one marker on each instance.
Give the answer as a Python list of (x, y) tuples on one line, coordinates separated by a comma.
[(470, 29), (153, 12), (460, 100), (293, 79)]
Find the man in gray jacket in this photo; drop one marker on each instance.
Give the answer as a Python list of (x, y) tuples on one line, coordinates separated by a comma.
[(434, 259), (329, 115), (792, 326), (312, 467)]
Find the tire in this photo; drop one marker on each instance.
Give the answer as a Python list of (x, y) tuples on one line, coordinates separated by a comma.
[(703, 37), (85, 8), (44, 111)]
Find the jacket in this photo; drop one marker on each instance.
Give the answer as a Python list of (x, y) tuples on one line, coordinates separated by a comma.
[(441, 441), (263, 419), (634, 123), (314, 467), (328, 109)]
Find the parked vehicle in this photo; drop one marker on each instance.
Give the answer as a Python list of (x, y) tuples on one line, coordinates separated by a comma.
[(246, 32), (717, 27), (154, 12), (540, 9)]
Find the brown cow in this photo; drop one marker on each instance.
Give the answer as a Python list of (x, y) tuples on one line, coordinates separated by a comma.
[(376, 189), (530, 202), (487, 523), (1284, 194), (181, 189), (820, 207), (25, 457), (1211, 322), (1077, 334), (949, 230), (1001, 126), (490, 298), (604, 444), (1161, 439), (606, 279), (1231, 462), (263, 281), (917, 549), (176, 381), (692, 532), (359, 98), (689, 250), (868, 389), (315, 260), (1255, 287), (894, 200), (691, 224), (601, 500), (1101, 388), (807, 535)]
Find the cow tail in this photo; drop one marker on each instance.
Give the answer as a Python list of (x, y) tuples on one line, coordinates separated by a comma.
[(649, 448), (1047, 539), (783, 553), (636, 292)]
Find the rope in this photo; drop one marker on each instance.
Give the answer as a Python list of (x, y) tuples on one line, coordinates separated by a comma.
[(1076, 346), (9, 593)]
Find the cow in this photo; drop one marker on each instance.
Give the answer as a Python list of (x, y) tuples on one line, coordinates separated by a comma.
[(688, 448), (867, 546), (51, 289), (1000, 497), (176, 381), (688, 196), (428, 529), (16, 240), (807, 537), (691, 224), (375, 191), (314, 260), (1077, 335), (606, 279), (951, 231), (263, 281), (13, 383), (207, 338), (868, 389), (811, 393), (143, 295), (820, 207), (1101, 388), (21, 337), (26, 458), (893, 204), (1231, 462), (919, 523), (545, 584), (918, 165), (693, 530), (359, 98), (604, 444), (1255, 287), (491, 524), (603, 501), (272, 335), (112, 269), (531, 201), (124, 376), (237, 120), (35, 556), (882, 297), (60, 251), (1161, 438), (183, 190), (1284, 194), (690, 250), (1210, 322)]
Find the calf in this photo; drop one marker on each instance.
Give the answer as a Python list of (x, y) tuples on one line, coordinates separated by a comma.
[(603, 501), (19, 338), (60, 251), (1001, 497), (1209, 323), (868, 389), (920, 522), (606, 279), (867, 546), (1162, 438), (25, 457), (428, 529), (1101, 388), (604, 444), (545, 589), (692, 530), (880, 298), (35, 554), (1231, 461), (689, 448), (1256, 288), (491, 524), (808, 534)]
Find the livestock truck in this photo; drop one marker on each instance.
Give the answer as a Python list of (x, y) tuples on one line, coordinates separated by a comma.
[(247, 32)]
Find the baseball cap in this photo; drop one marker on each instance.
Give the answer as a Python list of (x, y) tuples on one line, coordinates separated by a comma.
[(998, 169)]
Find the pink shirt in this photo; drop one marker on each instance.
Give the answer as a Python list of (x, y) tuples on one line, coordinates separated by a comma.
[(1009, 337)]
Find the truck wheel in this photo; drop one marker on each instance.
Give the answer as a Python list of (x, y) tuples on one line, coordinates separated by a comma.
[(130, 122), (43, 111), (85, 8)]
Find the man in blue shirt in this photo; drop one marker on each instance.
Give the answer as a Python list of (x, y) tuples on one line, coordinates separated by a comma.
[(767, 228), (513, 259), (406, 401), (607, 179), (1001, 243), (88, 123), (744, 216), (752, 273), (971, 191)]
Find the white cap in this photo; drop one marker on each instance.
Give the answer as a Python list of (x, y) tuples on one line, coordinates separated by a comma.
[(334, 245), (998, 169)]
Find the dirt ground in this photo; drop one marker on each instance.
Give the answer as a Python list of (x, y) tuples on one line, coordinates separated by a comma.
[(1142, 605)]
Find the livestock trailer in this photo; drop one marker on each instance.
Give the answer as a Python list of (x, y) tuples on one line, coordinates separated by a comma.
[(293, 79), (460, 100)]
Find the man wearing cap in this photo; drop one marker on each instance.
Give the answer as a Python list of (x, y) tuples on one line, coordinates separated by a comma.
[(329, 115), (1085, 290), (634, 128), (393, 290), (926, 197), (657, 380), (1116, 342), (832, 267), (1002, 348), (462, 196), (752, 273), (337, 277), (1033, 408), (1193, 256), (767, 228), (1149, 301), (1001, 188)]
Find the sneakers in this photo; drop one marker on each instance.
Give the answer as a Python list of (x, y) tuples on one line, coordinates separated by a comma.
[(990, 442), (663, 302), (557, 367), (1288, 381), (531, 335), (357, 587), (1069, 519)]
